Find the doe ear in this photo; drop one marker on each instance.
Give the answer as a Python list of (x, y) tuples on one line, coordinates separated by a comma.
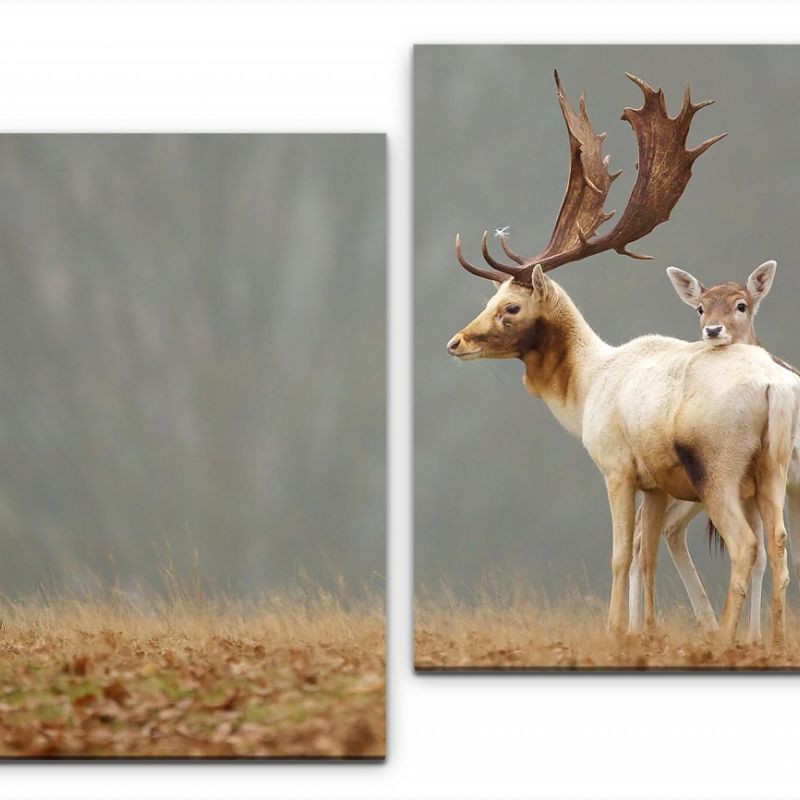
[(686, 285), (760, 282), (540, 283)]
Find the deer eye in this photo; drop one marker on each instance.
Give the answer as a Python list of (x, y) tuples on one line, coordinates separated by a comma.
[(742, 307), (512, 309), (700, 310)]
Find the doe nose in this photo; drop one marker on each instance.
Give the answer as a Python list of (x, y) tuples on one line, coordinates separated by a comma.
[(453, 344), (712, 331)]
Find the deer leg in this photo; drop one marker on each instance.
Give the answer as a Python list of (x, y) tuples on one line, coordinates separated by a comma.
[(635, 616), (653, 507), (759, 568), (682, 559), (679, 514), (727, 513), (770, 493), (621, 499)]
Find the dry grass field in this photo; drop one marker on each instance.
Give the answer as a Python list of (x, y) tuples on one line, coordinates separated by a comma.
[(293, 675), (570, 635)]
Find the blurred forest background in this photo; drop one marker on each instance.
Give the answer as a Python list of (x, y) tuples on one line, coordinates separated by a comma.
[(192, 359), (500, 487)]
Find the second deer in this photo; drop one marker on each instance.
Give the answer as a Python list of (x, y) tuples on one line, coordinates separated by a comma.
[(727, 316)]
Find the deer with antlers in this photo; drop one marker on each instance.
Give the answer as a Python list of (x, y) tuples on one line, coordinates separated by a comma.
[(656, 413), (727, 316)]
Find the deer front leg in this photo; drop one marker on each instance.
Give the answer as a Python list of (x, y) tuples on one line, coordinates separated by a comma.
[(635, 616), (679, 514), (621, 499), (653, 507)]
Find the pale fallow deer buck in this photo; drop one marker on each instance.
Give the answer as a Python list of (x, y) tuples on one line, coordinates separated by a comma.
[(727, 316), (655, 414)]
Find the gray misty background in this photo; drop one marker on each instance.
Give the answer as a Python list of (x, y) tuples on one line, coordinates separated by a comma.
[(498, 483), (192, 359)]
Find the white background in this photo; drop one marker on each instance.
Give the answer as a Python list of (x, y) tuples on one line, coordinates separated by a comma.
[(309, 66)]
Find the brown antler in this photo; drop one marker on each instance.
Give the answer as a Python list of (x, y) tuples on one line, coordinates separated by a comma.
[(664, 169)]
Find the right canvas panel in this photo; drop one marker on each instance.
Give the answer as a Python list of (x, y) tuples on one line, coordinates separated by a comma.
[(616, 411)]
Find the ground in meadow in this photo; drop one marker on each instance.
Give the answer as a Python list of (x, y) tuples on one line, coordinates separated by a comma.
[(571, 635), (281, 678)]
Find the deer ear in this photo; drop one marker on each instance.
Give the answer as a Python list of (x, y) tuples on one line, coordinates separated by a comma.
[(686, 285), (760, 282), (540, 283)]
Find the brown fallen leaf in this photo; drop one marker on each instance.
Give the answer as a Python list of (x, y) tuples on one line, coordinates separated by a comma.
[(84, 700), (115, 691), (79, 665)]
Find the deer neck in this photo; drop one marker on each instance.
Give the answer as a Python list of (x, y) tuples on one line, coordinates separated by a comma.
[(561, 360)]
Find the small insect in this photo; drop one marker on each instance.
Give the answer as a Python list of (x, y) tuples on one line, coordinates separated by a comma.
[(502, 233)]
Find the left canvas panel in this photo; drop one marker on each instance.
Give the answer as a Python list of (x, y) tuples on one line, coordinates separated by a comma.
[(192, 469)]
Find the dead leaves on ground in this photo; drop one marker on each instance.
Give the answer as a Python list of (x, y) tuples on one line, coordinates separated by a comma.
[(109, 693)]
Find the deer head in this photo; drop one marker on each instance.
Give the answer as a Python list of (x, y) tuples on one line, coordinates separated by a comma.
[(525, 296), (514, 318), (727, 311)]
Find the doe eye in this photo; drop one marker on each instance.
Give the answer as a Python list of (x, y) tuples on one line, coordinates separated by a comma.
[(513, 309), (700, 310), (742, 307)]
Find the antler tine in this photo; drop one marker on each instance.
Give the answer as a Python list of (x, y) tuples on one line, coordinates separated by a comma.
[(638, 256), (487, 257), (559, 89), (703, 146), (481, 273), (642, 84), (510, 253), (612, 176), (689, 107)]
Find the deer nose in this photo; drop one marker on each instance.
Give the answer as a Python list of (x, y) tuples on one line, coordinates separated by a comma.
[(453, 344), (712, 331)]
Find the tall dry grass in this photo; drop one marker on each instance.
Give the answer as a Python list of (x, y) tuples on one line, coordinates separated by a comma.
[(498, 628), (293, 673)]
